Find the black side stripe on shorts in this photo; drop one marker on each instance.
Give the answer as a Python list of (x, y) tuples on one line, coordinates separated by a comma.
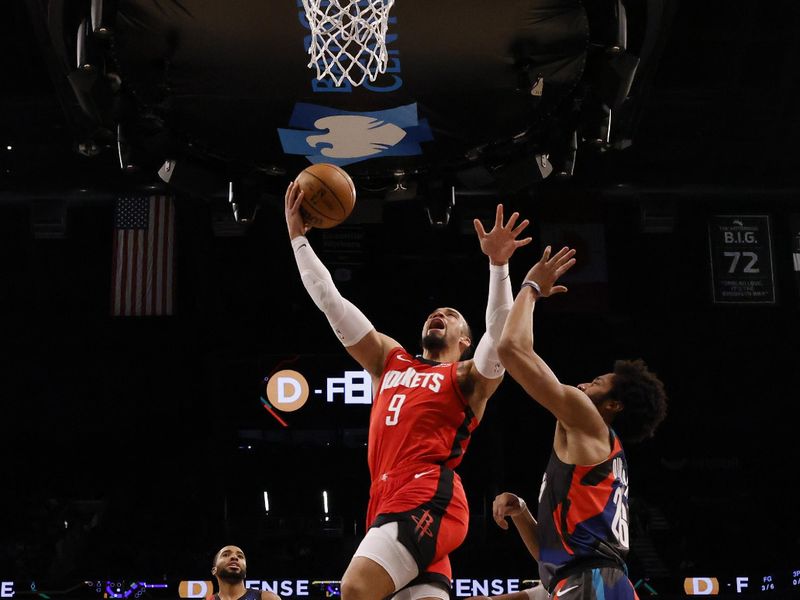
[(444, 491)]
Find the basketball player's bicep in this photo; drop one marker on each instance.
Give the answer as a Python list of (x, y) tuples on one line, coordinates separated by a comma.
[(371, 351), (568, 404), (541, 384), (481, 387), (476, 388)]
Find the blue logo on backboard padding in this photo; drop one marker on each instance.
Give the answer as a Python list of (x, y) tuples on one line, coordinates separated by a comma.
[(342, 137)]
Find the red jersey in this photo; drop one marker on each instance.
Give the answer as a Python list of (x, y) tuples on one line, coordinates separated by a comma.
[(419, 429), (419, 416)]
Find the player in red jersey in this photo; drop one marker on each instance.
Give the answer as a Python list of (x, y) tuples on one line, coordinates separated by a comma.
[(424, 410), (581, 538)]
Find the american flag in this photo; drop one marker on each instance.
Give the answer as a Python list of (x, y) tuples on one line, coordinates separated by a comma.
[(142, 277)]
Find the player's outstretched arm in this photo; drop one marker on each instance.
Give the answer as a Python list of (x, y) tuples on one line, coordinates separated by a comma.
[(499, 244), (571, 407), (511, 505), (366, 345)]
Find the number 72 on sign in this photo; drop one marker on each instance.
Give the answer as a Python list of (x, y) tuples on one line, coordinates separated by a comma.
[(741, 259)]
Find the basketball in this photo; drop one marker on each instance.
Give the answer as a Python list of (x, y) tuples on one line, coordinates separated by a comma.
[(328, 195)]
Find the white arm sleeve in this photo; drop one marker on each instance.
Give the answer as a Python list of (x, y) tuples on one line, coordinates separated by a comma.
[(349, 323), (487, 362)]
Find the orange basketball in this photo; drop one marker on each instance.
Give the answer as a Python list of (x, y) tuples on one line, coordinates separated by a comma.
[(328, 195)]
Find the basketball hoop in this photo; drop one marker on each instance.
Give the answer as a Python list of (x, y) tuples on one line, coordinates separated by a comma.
[(348, 38)]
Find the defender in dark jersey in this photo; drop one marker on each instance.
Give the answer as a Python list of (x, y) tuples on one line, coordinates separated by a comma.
[(581, 538), (424, 410), (230, 569)]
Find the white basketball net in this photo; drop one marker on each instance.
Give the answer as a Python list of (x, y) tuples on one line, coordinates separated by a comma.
[(348, 38)]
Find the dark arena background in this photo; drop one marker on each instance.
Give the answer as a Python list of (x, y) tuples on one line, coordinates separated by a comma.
[(659, 138)]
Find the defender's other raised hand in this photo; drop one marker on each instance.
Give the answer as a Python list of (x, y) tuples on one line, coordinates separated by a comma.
[(294, 219), (501, 242), (546, 272), (507, 505)]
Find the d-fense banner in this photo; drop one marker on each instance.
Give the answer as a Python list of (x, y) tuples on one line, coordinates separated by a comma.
[(287, 589), (781, 584)]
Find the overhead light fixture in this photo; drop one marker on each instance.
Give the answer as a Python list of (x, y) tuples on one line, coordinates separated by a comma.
[(524, 172), (566, 162), (439, 202), (243, 207), (102, 15), (124, 152), (192, 177)]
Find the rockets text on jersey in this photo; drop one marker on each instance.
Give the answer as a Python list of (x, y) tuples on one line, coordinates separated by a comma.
[(411, 379)]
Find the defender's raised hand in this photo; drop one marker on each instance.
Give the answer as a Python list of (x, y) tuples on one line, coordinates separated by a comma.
[(546, 272), (507, 505), (501, 242)]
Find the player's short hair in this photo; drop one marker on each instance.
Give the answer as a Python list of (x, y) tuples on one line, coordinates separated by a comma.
[(216, 556), (217, 553), (644, 399)]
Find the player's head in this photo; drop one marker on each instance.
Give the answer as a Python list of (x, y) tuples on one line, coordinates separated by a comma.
[(446, 328), (632, 397), (229, 564)]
